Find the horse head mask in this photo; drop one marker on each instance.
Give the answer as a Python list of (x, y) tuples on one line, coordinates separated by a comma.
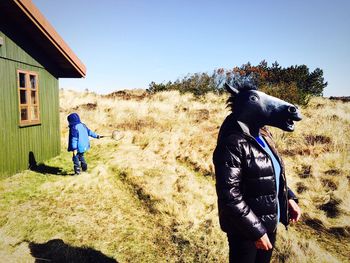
[(257, 109)]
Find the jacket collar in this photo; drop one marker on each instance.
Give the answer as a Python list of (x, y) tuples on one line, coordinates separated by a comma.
[(244, 127), (232, 125), (263, 131)]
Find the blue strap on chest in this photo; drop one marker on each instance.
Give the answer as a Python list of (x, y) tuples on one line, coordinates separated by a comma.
[(260, 140)]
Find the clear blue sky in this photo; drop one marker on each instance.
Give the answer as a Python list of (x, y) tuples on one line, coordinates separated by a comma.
[(127, 44)]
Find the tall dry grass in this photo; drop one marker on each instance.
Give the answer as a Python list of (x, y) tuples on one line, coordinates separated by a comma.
[(151, 196)]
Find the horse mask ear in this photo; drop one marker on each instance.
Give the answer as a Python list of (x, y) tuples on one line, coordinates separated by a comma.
[(231, 89)]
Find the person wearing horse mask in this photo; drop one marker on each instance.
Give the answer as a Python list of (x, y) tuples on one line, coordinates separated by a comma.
[(251, 186)]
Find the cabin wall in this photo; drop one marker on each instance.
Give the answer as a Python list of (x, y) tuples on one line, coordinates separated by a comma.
[(16, 143)]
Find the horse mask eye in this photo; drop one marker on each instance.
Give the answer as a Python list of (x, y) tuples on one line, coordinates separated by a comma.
[(253, 98)]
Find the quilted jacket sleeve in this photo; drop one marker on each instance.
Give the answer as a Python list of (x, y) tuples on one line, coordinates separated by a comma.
[(73, 139), (232, 206), (91, 133), (291, 195)]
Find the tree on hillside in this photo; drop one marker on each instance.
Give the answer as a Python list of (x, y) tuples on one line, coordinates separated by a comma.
[(295, 83)]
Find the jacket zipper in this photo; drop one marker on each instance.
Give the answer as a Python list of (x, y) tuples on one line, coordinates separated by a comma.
[(285, 183), (281, 174)]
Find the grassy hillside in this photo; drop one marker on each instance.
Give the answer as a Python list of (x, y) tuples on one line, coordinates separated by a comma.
[(150, 197)]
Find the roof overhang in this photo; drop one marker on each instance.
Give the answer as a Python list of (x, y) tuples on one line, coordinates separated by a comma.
[(20, 17)]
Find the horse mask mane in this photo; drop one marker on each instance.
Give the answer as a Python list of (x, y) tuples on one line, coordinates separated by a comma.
[(256, 109)]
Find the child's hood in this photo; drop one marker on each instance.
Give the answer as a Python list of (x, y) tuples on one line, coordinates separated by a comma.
[(73, 119)]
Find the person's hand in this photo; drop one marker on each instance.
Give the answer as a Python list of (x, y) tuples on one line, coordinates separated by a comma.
[(294, 211), (263, 243), (75, 152)]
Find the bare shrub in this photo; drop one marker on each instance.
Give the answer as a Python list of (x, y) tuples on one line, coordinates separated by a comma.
[(343, 98), (317, 139), (200, 115), (127, 95), (301, 188), (305, 171), (314, 223), (332, 172), (329, 184), (88, 106), (340, 231), (331, 208)]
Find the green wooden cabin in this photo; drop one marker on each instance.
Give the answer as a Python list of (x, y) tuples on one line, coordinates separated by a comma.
[(32, 59)]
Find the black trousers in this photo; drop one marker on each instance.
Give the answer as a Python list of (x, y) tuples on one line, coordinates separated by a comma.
[(244, 251)]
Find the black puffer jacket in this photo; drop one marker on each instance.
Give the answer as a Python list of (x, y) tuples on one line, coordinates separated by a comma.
[(245, 183)]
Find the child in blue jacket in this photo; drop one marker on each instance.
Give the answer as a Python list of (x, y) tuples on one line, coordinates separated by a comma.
[(78, 141)]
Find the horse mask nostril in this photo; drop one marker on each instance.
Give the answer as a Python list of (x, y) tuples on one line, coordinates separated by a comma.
[(292, 109)]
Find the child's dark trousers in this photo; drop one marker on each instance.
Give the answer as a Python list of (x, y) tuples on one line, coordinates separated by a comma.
[(79, 161)]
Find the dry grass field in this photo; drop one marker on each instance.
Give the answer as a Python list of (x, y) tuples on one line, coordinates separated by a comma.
[(150, 197)]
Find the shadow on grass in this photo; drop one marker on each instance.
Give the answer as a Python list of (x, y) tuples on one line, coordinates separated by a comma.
[(57, 251), (43, 168)]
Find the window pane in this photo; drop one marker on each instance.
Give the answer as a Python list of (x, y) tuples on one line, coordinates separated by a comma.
[(23, 96), (34, 113), (22, 80), (24, 114), (32, 79), (33, 97)]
